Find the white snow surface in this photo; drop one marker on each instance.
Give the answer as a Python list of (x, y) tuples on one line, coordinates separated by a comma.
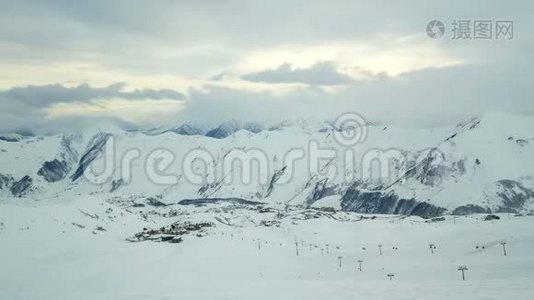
[(43, 255), (476, 155), (77, 240)]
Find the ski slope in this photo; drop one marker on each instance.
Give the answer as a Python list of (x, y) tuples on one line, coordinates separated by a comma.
[(45, 256)]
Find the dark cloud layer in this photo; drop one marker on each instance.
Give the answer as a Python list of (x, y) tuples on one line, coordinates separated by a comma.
[(206, 35), (323, 73), (430, 97), (40, 96), (23, 108)]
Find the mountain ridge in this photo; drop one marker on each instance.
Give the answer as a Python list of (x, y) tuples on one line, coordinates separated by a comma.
[(479, 165)]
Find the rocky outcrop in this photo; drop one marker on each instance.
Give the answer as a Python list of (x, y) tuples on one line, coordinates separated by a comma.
[(58, 168), (54, 170), (21, 187), (205, 201), (380, 202), (321, 190), (491, 218), (209, 189), (276, 176), (96, 146), (155, 201), (6, 181), (187, 129), (116, 184), (223, 131), (470, 209), (253, 127), (226, 129), (431, 170), (13, 138), (514, 196), (8, 139)]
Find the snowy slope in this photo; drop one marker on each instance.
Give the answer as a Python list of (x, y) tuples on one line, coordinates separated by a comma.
[(481, 165), (77, 248)]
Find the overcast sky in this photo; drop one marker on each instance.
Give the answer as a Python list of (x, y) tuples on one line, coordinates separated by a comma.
[(162, 62)]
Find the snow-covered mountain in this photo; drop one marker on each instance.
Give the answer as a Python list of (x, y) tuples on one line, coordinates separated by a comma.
[(482, 165), (116, 214), (219, 131)]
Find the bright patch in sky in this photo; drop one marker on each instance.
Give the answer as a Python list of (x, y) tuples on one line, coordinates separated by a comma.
[(138, 111), (390, 57)]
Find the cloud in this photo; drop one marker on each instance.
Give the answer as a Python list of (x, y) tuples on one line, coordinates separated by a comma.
[(429, 97), (46, 107), (40, 96), (389, 54), (139, 112), (322, 73), (196, 38), (264, 67)]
